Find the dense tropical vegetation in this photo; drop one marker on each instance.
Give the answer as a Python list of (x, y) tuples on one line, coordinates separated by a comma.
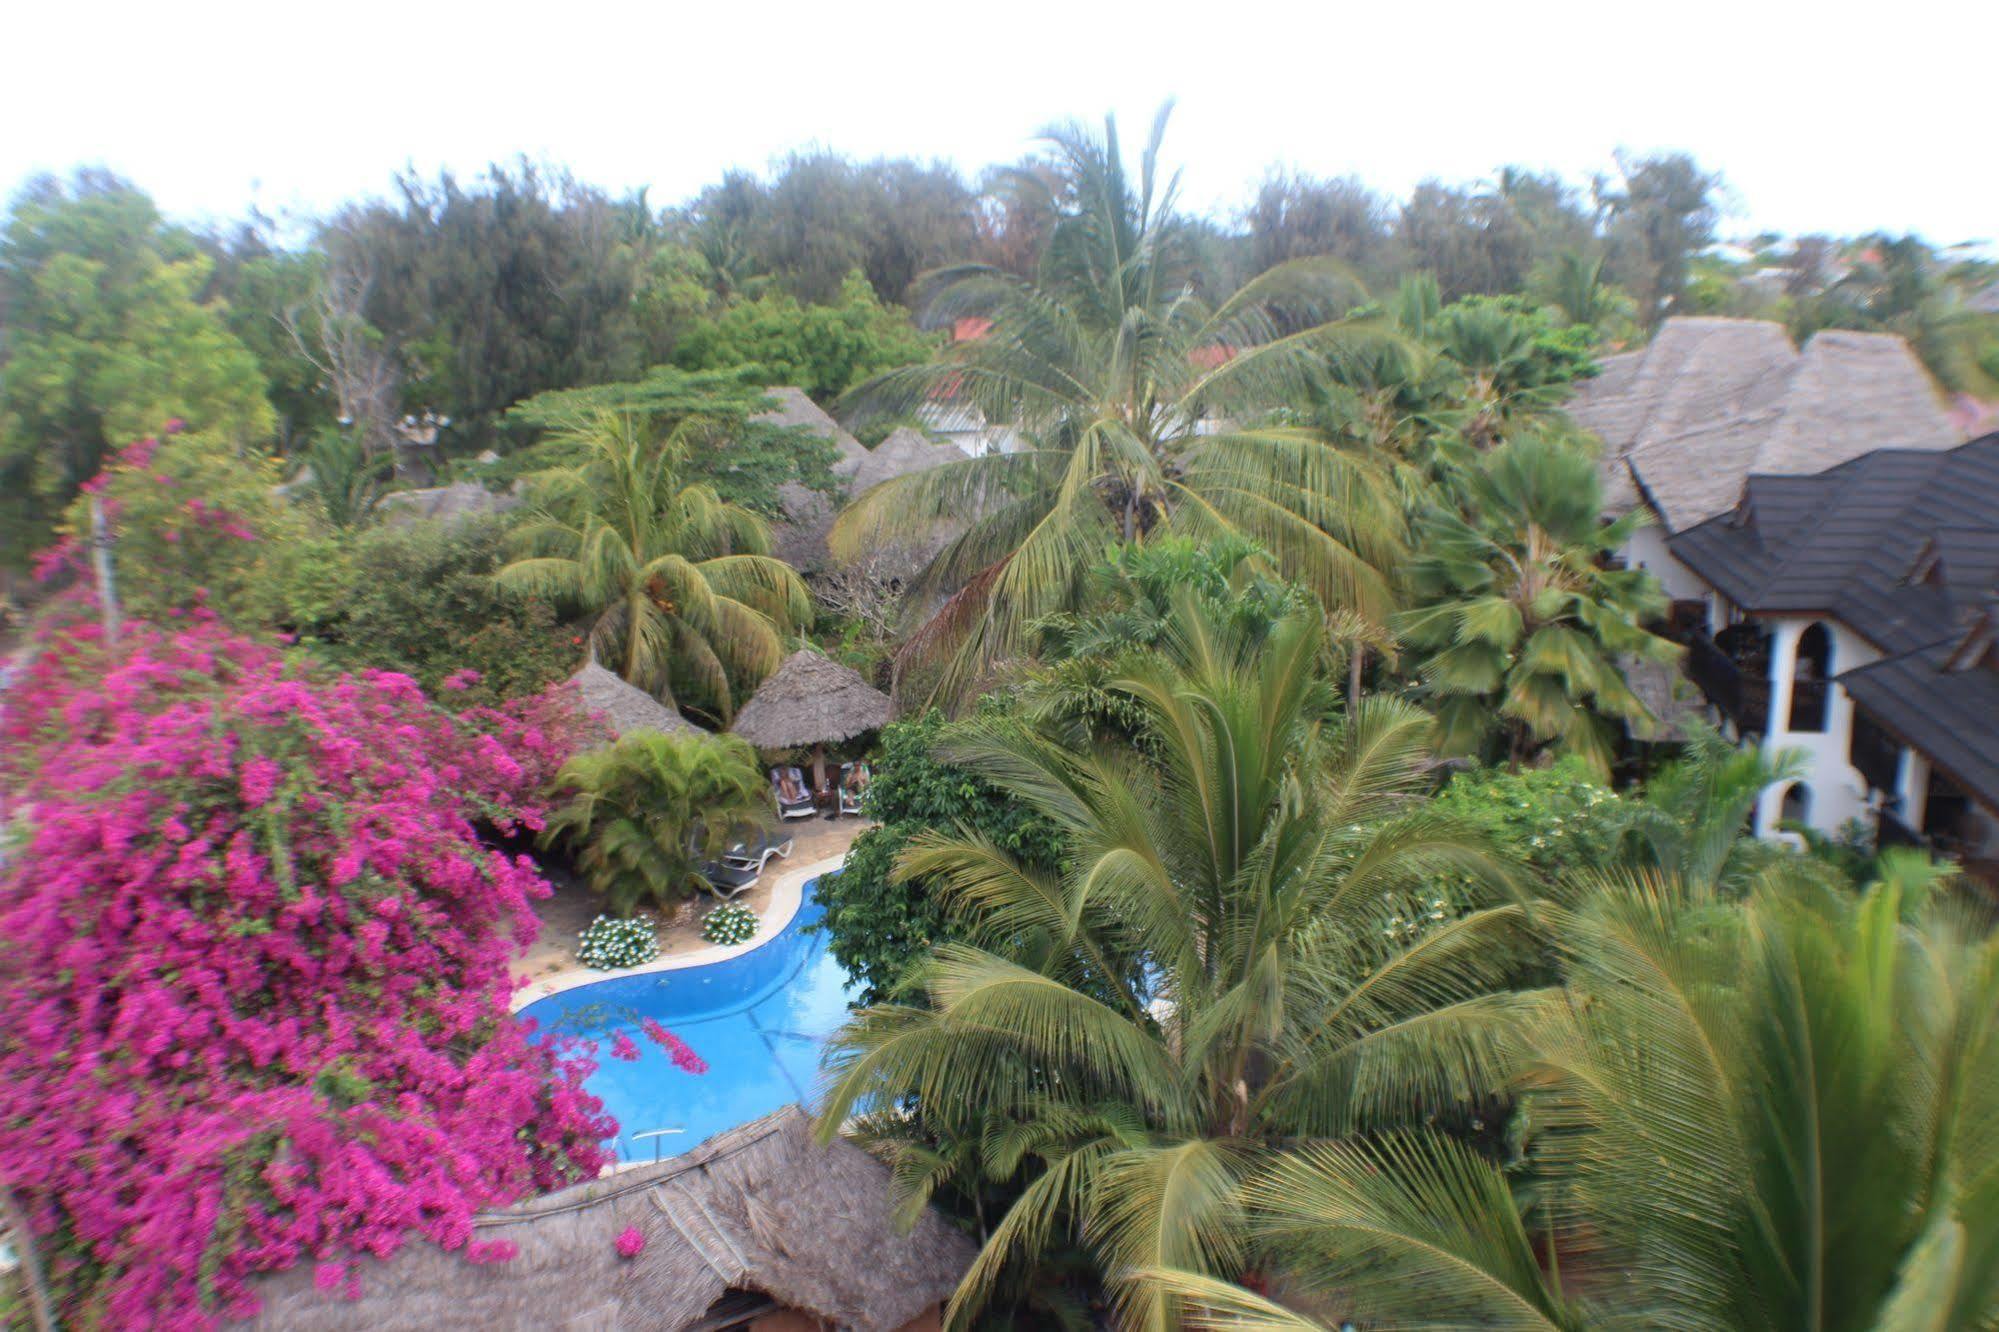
[(1280, 909)]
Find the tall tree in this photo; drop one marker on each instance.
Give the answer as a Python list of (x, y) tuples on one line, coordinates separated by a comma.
[(1659, 211), (823, 349), (491, 292), (1296, 216), (1244, 945), (107, 341), (685, 602), (1116, 372), (1770, 1117)]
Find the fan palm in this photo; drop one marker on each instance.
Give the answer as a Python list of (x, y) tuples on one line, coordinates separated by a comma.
[(687, 603), (1244, 946), (1521, 626), (1781, 1114), (1144, 407), (639, 811)]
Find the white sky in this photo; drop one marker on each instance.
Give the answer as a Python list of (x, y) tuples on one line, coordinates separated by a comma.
[(1820, 118)]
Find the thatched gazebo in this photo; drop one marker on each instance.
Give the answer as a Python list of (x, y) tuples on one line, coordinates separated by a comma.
[(753, 1222), (813, 701), (627, 707)]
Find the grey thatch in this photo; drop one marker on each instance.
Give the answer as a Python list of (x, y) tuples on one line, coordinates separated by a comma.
[(811, 700), (627, 707), (460, 499), (759, 1208), (904, 453), (799, 538), (1685, 421)]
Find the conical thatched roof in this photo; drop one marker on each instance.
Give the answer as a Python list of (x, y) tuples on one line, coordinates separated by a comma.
[(811, 700), (903, 453), (626, 706), (759, 1208)]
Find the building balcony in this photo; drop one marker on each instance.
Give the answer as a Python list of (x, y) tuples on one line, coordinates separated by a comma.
[(1741, 697)]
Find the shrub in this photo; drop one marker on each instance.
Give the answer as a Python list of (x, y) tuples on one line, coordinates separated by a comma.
[(257, 963), (634, 808), (877, 927), (419, 598), (731, 923), (1554, 819), (612, 943)]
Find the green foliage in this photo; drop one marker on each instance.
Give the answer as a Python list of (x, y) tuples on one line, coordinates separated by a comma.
[(1556, 820), (683, 599), (612, 943), (1212, 972), (641, 812), (343, 480), (879, 925), (823, 349), (730, 924), (419, 598), (1111, 364), (1775, 1114), (520, 282), (1519, 628), (107, 340), (195, 521), (713, 412), (1660, 211)]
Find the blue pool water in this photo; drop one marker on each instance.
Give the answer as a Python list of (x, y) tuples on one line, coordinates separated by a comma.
[(759, 1020)]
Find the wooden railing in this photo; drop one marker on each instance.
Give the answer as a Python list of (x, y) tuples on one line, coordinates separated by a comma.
[(1743, 698)]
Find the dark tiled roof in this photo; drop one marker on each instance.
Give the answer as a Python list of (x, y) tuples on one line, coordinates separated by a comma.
[(1903, 548), (1842, 543), (1951, 716)]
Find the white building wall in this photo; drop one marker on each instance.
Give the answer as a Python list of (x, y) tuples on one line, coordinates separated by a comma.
[(1647, 550), (1838, 791)]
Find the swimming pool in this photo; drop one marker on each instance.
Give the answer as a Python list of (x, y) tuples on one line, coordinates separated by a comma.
[(758, 1019)]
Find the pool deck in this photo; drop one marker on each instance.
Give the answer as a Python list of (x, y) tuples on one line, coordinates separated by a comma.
[(787, 890)]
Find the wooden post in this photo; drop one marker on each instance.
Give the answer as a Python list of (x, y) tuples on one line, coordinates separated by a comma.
[(100, 561)]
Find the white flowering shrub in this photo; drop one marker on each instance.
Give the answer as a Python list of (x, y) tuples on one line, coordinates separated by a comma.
[(612, 942), (732, 923)]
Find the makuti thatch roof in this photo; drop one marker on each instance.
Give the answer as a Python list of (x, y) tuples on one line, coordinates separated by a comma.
[(1686, 420), (627, 707), (799, 538), (810, 700), (460, 499), (760, 1208)]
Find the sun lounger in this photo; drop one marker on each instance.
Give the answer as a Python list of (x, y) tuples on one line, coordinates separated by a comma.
[(794, 797)]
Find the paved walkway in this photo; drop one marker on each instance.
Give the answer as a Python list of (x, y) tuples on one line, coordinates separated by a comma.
[(565, 915)]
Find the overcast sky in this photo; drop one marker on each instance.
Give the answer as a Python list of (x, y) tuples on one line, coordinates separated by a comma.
[(1820, 120)]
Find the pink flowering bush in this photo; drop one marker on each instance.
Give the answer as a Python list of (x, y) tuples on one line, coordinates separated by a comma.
[(254, 971)]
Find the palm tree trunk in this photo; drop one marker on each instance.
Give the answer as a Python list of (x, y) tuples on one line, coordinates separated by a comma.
[(1356, 660)]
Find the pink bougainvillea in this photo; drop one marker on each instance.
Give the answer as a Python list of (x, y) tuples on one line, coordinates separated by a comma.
[(254, 971), (631, 1242)]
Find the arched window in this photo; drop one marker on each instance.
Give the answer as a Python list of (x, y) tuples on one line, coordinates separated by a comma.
[(1811, 680), (1797, 805)]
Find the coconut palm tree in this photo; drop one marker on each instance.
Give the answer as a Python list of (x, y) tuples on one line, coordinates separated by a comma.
[(1144, 406), (1776, 1115), (686, 602), (1520, 623), (1244, 947), (640, 812)]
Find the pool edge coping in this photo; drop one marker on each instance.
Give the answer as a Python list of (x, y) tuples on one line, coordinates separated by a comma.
[(787, 894)]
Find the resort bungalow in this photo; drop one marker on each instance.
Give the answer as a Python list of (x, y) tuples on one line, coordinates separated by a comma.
[(758, 1229), (1853, 616), (1710, 402)]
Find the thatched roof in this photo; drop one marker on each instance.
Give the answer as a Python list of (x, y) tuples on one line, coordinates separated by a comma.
[(460, 499), (627, 707), (904, 453), (759, 1208), (1666, 693), (810, 700), (799, 538), (1710, 401)]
